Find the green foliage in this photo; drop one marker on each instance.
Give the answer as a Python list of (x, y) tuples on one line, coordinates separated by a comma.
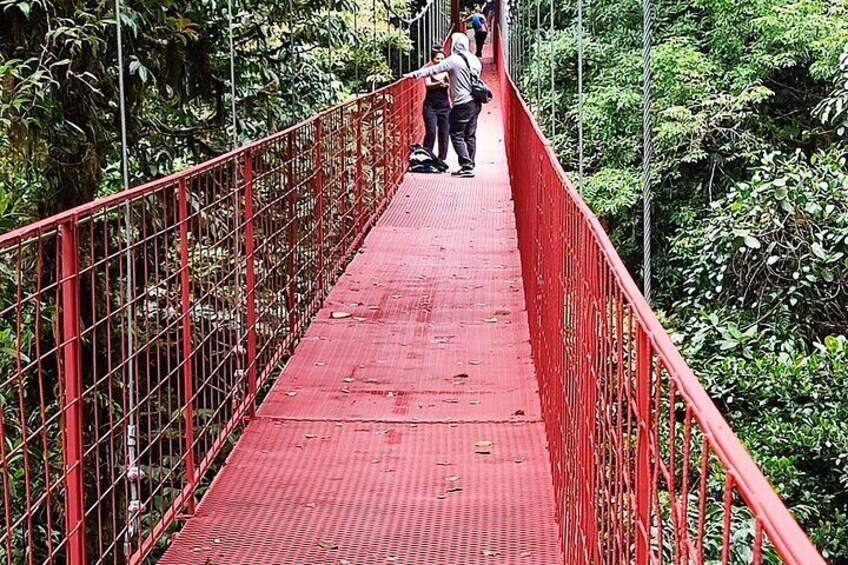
[(750, 206), (59, 85), (775, 247), (833, 110), (800, 431)]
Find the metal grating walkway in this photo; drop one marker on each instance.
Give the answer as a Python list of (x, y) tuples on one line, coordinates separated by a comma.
[(409, 432)]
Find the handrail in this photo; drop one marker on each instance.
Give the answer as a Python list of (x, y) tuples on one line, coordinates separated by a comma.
[(230, 259), (608, 282)]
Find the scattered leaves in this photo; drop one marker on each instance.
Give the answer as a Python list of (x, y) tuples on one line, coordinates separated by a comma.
[(340, 315)]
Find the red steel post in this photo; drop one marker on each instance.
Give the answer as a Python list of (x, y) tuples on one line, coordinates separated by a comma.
[(386, 147), (360, 205), (250, 296), (291, 216), (644, 373), (319, 194), (186, 345), (72, 448)]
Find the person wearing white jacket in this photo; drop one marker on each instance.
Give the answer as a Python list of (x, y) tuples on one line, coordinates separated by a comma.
[(460, 66)]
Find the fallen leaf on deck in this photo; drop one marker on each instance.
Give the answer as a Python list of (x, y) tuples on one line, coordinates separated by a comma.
[(452, 478), (454, 489), (526, 553), (483, 447), (518, 413), (441, 496), (490, 553), (491, 320), (461, 376), (311, 505), (501, 312), (327, 544), (340, 315), (346, 390), (291, 393), (310, 436), (450, 401), (349, 380), (444, 463), (474, 362)]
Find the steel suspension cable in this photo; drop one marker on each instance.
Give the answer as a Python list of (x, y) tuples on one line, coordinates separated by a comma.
[(553, 75), (232, 72), (134, 506), (647, 146), (538, 45), (579, 94)]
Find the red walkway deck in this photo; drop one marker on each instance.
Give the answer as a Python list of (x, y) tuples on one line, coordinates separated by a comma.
[(367, 449)]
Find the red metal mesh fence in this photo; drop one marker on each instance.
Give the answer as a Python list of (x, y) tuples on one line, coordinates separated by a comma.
[(645, 468), (139, 328)]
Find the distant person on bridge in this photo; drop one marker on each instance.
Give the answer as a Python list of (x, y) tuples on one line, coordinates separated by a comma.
[(481, 29), (437, 107), (465, 111)]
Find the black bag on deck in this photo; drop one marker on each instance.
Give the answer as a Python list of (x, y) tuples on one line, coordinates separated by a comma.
[(422, 161)]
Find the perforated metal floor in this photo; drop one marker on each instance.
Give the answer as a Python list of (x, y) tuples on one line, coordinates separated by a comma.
[(409, 432)]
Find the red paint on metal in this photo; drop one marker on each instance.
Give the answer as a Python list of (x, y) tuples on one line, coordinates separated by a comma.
[(636, 388), (375, 419), (250, 282), (185, 343), (72, 398)]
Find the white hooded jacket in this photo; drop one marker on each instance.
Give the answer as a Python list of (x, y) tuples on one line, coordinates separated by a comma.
[(459, 73)]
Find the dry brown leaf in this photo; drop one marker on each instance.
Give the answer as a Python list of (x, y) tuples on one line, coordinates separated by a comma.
[(444, 463), (291, 393), (518, 413), (340, 315), (483, 447), (310, 436), (452, 478), (349, 380), (461, 376), (441, 496), (501, 312), (474, 362), (526, 554), (450, 400), (327, 544), (490, 553), (474, 402), (346, 390), (454, 489), (491, 320)]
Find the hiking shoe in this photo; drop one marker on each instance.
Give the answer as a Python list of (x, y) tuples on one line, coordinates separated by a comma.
[(464, 172)]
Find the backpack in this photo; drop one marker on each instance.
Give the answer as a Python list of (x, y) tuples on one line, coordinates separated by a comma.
[(480, 91), (422, 161)]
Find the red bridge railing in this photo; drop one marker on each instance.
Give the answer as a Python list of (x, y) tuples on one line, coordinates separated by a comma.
[(136, 332), (646, 470)]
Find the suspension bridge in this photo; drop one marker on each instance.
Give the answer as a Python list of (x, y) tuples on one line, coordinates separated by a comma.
[(298, 353)]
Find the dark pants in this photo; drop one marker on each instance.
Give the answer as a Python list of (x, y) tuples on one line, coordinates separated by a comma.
[(463, 131), (436, 121), (480, 39)]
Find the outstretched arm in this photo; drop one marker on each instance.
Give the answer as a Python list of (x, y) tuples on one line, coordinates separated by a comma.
[(442, 67)]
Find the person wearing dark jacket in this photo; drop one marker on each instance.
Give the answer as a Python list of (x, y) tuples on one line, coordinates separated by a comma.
[(460, 66), (437, 108)]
